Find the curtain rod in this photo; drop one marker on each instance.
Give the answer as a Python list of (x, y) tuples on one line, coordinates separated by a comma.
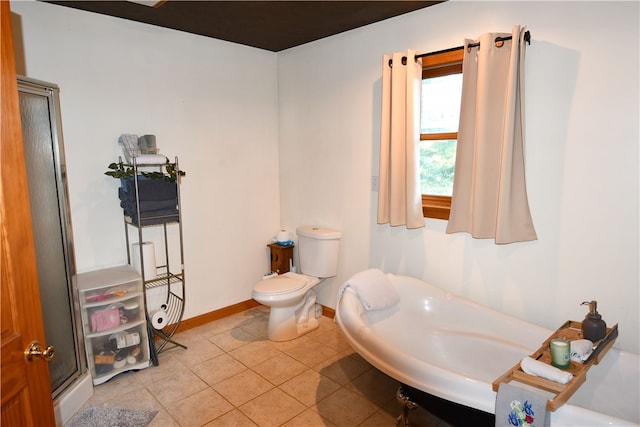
[(527, 39)]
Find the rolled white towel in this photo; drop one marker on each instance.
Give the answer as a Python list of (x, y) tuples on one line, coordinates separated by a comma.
[(581, 350), (541, 369), (151, 159)]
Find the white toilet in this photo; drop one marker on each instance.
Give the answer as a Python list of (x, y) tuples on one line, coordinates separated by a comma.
[(290, 296)]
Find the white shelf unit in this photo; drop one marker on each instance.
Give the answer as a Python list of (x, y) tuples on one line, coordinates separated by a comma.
[(113, 321)]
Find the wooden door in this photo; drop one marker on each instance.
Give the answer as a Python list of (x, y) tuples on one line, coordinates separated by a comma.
[(26, 389)]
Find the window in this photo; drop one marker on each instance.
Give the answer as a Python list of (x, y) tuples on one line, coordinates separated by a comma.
[(439, 116)]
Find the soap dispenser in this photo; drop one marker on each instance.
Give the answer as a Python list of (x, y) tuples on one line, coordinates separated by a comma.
[(593, 327)]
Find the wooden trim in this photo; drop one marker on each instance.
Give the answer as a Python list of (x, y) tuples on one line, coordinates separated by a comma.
[(438, 136), (328, 312), (211, 316), (437, 207), (445, 70), (443, 59), (216, 315)]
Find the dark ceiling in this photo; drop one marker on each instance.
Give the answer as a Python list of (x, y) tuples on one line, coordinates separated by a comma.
[(270, 25)]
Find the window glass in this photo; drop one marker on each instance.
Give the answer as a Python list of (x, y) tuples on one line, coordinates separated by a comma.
[(439, 117), (440, 104), (437, 163)]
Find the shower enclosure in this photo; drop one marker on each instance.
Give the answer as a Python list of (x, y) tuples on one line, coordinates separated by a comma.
[(53, 238)]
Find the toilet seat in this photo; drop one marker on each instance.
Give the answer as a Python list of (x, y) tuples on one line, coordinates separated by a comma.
[(282, 284)]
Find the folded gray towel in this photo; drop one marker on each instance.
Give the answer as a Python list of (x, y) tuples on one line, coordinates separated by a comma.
[(150, 189), (150, 206), (153, 217)]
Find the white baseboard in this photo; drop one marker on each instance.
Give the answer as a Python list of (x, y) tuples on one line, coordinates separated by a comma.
[(68, 403)]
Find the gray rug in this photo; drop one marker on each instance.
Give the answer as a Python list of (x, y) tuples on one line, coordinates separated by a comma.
[(110, 417)]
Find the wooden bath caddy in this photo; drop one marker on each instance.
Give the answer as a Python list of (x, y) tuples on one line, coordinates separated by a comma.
[(570, 330)]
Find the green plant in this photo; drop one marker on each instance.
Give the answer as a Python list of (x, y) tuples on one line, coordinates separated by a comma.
[(121, 170)]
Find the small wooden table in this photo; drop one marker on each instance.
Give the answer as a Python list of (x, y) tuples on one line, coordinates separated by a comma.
[(281, 257)]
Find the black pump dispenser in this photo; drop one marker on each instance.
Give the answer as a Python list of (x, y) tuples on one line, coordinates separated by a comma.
[(593, 327)]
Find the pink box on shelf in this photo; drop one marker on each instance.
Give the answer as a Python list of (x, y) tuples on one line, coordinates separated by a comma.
[(105, 319)]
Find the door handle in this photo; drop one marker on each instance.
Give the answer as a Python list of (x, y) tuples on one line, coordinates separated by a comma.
[(35, 350)]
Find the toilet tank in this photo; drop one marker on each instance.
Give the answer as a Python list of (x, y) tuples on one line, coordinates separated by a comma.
[(318, 251)]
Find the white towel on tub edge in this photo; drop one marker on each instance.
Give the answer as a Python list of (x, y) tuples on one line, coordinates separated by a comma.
[(373, 288)]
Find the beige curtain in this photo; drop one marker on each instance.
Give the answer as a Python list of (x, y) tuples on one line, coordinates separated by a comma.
[(489, 191), (399, 194)]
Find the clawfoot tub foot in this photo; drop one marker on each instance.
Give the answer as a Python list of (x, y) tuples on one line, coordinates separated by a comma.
[(406, 404)]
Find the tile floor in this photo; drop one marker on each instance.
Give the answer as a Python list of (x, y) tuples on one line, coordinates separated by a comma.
[(232, 375)]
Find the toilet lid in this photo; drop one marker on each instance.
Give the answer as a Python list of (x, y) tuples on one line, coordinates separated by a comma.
[(287, 282)]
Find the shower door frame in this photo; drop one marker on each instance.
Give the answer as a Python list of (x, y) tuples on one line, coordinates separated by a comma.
[(51, 93)]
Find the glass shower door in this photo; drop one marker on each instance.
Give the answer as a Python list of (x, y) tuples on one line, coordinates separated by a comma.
[(46, 174)]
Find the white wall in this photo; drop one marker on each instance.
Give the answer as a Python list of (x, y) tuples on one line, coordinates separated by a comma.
[(212, 103), (239, 116), (581, 152)]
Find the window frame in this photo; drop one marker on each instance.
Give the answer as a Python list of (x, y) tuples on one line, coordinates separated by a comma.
[(439, 64)]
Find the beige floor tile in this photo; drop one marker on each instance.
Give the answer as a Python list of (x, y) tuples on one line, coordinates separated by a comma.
[(334, 339), (342, 369), (262, 309), (219, 368), (253, 313), (232, 375), (238, 320), (198, 409), (232, 339), (258, 327), (254, 353), (311, 352), (324, 324), (176, 387), (381, 419), (376, 386), (227, 323), (310, 387), (184, 335), (163, 419), (352, 353), (233, 418), (309, 418), (198, 350), (212, 328), (345, 408), (280, 368), (168, 366), (241, 388), (115, 386), (285, 346), (272, 408)]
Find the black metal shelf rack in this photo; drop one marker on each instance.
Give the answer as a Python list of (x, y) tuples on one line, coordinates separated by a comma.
[(169, 278)]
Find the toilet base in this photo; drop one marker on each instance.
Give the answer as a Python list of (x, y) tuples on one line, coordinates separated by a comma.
[(288, 323)]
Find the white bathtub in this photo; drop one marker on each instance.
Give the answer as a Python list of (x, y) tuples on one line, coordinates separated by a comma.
[(453, 348)]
